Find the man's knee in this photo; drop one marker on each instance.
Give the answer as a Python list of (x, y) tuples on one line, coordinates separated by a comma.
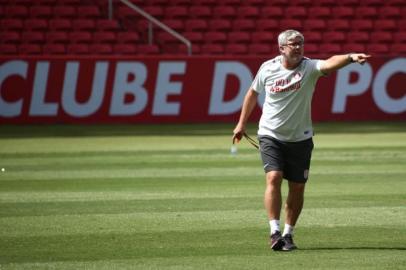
[(297, 188), (274, 178)]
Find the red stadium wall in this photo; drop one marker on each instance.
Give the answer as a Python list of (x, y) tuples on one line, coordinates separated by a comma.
[(180, 90)]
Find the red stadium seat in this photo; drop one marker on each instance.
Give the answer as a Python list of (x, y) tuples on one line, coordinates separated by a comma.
[(402, 24), (100, 49), (398, 49), (353, 47), (295, 12), (314, 24), (29, 49), (215, 37), (8, 49), (46, 2), (311, 50), (330, 48), (43, 12), (280, 3), (19, 2), (358, 37), (343, 12), (386, 25), (57, 37), (104, 37), (180, 2), (91, 12), (304, 3), (362, 25), (239, 37), (324, 2), (381, 36), (257, 3), (366, 12), (399, 37), (350, 3), (312, 37), (107, 25), (333, 37), (319, 12), (60, 24), (370, 2), (36, 24), (228, 2), (64, 12), (200, 12), (205, 2), (249, 12), (263, 37), (244, 25), (68, 2), (175, 24), (196, 25), (259, 49), (271, 12), (219, 25), (339, 24), (16, 12), (395, 2), (10, 37), (176, 12), (267, 25), (194, 37), (128, 37), (125, 49), (54, 49), (83, 24), (78, 49), (226, 12), (301, 2), (176, 49), (127, 13), (291, 24), (165, 38), (149, 49), (80, 37), (209, 49), (32, 37), (11, 24), (235, 49), (155, 11), (377, 49), (389, 12)]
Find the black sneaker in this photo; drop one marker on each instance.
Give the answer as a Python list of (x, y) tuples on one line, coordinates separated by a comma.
[(288, 243), (276, 241)]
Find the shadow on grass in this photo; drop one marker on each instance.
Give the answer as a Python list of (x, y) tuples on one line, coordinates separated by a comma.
[(352, 248)]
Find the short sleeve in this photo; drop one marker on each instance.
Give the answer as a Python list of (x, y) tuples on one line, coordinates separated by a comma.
[(258, 83), (319, 64)]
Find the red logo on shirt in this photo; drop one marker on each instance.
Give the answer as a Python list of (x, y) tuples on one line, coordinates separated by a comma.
[(290, 84)]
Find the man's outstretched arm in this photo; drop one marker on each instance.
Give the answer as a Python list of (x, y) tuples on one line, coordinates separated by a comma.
[(338, 61)]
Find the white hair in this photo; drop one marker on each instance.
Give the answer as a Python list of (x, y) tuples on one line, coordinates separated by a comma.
[(287, 35)]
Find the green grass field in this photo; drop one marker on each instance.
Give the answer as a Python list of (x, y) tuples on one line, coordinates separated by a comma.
[(173, 197)]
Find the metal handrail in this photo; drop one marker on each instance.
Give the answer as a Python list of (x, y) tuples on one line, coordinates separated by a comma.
[(153, 20)]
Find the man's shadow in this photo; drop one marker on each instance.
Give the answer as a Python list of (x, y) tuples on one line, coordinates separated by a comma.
[(353, 248)]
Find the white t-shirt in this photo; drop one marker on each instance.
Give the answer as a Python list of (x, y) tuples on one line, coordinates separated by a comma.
[(286, 113)]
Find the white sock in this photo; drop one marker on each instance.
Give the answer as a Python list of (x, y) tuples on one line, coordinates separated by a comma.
[(288, 229), (274, 225)]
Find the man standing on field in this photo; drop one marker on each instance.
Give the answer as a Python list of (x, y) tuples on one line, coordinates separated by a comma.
[(285, 128)]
